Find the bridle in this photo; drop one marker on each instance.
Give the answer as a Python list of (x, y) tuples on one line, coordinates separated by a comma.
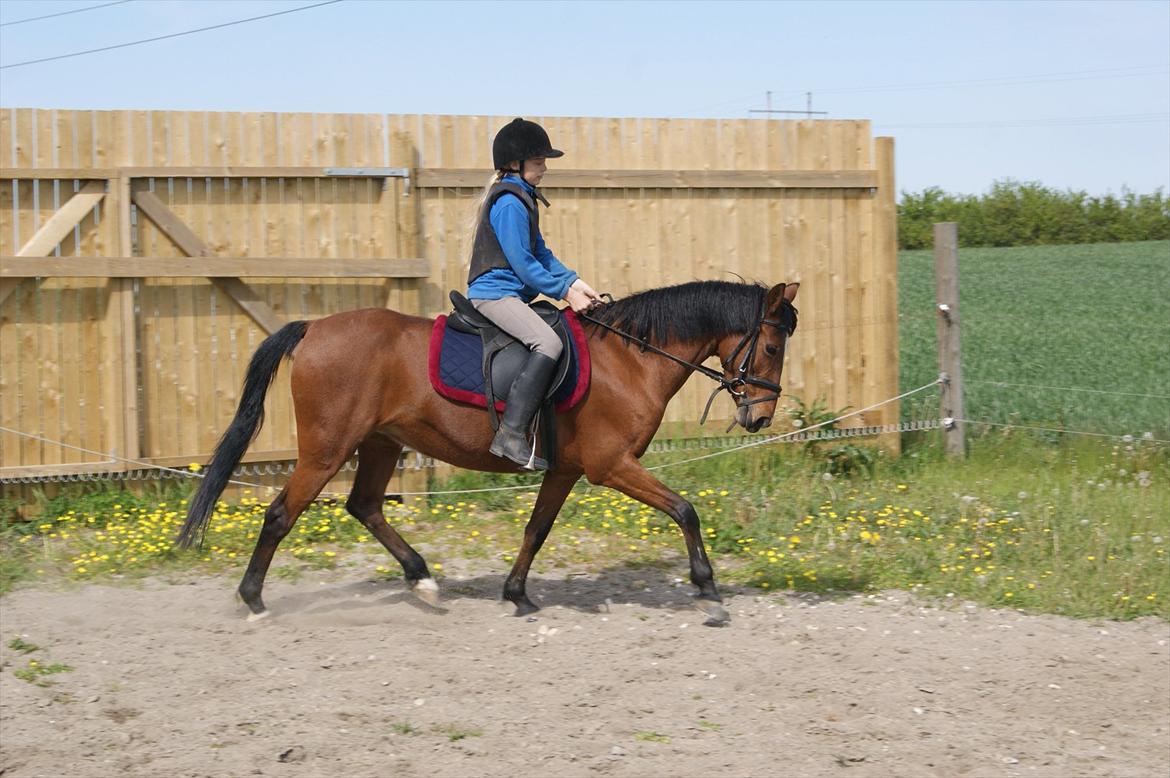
[(734, 386)]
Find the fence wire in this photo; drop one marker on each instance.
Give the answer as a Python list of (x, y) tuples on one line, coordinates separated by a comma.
[(150, 471)]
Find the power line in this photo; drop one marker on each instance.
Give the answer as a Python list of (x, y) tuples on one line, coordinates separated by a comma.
[(165, 37), (63, 13)]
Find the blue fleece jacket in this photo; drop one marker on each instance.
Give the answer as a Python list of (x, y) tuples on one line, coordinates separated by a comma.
[(527, 275)]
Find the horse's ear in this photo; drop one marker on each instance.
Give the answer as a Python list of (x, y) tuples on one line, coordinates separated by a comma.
[(779, 292)]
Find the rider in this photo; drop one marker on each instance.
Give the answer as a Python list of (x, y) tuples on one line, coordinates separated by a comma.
[(510, 265)]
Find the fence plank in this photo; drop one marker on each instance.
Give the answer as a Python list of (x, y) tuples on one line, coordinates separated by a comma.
[(62, 222), (194, 246)]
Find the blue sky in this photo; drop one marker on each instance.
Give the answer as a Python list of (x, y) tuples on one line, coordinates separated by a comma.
[(1070, 94)]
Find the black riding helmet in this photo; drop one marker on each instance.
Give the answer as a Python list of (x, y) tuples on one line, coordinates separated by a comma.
[(519, 140)]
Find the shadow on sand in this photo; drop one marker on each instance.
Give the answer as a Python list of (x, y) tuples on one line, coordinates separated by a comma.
[(646, 586)]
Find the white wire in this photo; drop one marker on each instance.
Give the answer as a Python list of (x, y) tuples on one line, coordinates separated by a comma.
[(531, 487), (534, 487), (1069, 389), (193, 474), (1062, 431), (114, 458), (800, 431)]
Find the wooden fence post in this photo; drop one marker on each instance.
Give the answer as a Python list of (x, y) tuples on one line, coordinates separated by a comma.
[(882, 362), (122, 325), (408, 213), (950, 361)]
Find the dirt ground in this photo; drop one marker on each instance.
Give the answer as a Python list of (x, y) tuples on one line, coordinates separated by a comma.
[(617, 676)]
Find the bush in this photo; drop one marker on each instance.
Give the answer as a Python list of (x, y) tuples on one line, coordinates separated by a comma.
[(1028, 214)]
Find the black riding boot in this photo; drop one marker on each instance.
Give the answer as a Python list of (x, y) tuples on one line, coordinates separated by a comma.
[(524, 399)]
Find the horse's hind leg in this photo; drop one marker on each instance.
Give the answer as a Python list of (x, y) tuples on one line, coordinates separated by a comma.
[(377, 458), (305, 483)]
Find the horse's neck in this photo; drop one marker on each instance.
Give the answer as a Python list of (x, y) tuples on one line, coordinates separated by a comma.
[(662, 376)]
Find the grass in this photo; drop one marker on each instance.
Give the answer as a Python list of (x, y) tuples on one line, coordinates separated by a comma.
[(34, 671), (23, 646), (1077, 528), (455, 733), (651, 737), (1087, 317)]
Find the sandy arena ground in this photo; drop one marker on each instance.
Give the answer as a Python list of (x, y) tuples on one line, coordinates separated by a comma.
[(615, 677)]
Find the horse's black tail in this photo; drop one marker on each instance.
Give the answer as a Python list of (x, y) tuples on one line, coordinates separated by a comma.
[(242, 430)]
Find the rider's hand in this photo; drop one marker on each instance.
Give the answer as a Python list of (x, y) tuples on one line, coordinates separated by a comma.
[(587, 290), (578, 300)]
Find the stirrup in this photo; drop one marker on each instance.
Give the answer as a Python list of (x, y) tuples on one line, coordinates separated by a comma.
[(505, 446)]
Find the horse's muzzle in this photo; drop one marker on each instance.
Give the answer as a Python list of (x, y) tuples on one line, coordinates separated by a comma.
[(758, 424), (743, 416)]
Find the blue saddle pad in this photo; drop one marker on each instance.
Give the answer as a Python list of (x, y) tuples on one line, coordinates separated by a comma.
[(456, 366)]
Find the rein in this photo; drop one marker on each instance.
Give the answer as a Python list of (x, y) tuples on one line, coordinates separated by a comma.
[(732, 386)]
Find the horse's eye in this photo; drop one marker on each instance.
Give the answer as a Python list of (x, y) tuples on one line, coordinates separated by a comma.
[(772, 350)]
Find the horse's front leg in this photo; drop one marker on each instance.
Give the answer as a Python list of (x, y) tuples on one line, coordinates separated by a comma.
[(553, 491), (630, 478)]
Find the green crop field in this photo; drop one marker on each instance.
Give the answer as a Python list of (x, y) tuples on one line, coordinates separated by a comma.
[(1093, 321)]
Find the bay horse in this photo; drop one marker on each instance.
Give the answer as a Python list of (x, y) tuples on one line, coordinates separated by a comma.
[(360, 383)]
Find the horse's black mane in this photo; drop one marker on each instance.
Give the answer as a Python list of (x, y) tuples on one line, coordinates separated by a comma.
[(691, 311)]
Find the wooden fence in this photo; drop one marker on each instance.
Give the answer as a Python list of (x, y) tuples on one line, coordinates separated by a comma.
[(144, 255)]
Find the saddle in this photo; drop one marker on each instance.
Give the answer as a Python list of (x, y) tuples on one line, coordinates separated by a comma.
[(503, 357)]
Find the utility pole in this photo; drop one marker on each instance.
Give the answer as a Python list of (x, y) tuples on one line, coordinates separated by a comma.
[(808, 111)]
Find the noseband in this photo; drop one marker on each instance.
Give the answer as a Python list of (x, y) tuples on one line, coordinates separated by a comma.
[(733, 386)]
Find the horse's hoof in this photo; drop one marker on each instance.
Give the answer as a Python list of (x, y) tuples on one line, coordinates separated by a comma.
[(717, 615), (256, 609), (426, 590), (525, 608)]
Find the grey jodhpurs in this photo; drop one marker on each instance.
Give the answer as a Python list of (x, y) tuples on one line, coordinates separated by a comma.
[(513, 316)]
